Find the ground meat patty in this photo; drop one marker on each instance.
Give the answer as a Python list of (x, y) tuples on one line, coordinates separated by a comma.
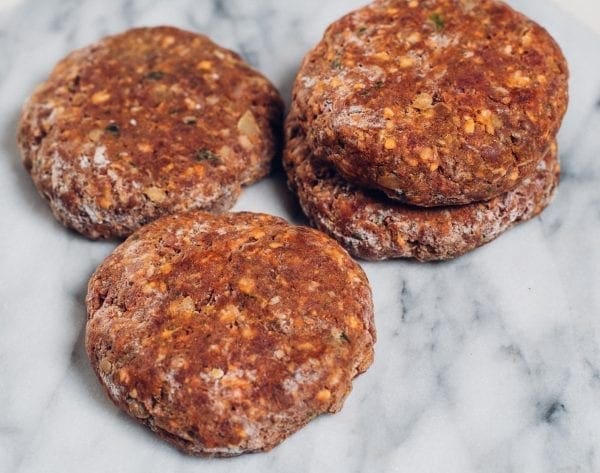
[(226, 334), (371, 226), (145, 123), (435, 102)]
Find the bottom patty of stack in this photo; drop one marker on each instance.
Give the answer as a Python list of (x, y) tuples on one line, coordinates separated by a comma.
[(373, 227)]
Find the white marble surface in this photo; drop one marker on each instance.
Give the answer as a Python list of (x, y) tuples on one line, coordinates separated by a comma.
[(490, 363), (587, 11)]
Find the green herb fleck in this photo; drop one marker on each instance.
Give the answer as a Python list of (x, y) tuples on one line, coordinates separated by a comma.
[(362, 30), (113, 128), (207, 155), (336, 63), (438, 21), (344, 337), (155, 75), (189, 120), (378, 84)]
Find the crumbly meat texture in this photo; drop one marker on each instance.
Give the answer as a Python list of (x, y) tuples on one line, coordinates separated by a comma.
[(149, 122), (435, 102), (226, 334), (373, 227)]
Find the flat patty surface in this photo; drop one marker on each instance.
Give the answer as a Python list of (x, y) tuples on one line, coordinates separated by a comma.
[(225, 334), (371, 226), (145, 123), (435, 102)]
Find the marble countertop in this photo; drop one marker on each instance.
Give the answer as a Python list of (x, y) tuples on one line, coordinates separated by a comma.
[(490, 363), (587, 11)]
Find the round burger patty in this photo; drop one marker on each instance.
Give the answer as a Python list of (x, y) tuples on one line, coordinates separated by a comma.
[(226, 334), (434, 102), (146, 123)]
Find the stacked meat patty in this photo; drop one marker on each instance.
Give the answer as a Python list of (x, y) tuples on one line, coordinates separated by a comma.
[(426, 129)]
